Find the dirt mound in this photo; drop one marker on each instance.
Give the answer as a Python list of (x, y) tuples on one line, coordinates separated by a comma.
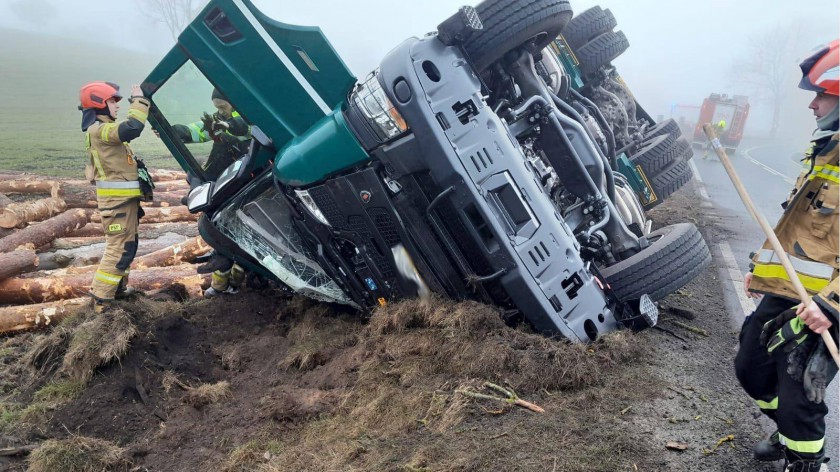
[(261, 382)]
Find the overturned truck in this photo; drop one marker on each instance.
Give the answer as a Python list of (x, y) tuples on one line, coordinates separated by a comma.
[(484, 161)]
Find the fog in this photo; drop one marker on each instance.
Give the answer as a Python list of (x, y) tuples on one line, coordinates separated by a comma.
[(681, 51)]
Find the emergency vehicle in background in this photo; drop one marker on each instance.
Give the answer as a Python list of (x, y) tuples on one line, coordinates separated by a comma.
[(733, 111)]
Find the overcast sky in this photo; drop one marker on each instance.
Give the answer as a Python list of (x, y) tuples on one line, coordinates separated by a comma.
[(681, 50)]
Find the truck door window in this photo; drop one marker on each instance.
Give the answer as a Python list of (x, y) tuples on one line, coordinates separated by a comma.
[(215, 135)]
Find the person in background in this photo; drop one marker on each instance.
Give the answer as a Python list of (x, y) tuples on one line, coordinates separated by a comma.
[(121, 179), (231, 136), (230, 133), (782, 363)]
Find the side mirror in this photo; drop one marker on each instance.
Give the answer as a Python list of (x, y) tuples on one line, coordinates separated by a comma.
[(199, 197)]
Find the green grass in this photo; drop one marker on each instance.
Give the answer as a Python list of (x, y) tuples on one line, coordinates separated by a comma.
[(39, 85)]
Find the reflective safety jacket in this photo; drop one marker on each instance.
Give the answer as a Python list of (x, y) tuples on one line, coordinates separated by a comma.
[(112, 165), (229, 146), (808, 231)]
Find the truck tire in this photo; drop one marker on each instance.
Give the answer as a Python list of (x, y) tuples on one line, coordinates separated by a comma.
[(587, 25), (668, 126), (660, 153), (676, 255), (671, 179), (601, 51), (509, 24)]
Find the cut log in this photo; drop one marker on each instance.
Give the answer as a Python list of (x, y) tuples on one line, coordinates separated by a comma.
[(164, 175), (173, 255), (160, 215), (17, 215), (43, 233), (165, 199), (51, 187), (75, 243), (4, 201), (78, 194), (17, 262), (76, 259), (172, 186), (147, 230), (19, 291), (169, 255), (22, 318)]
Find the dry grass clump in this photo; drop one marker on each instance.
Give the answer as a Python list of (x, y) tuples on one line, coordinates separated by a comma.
[(207, 394), (98, 341), (465, 318), (255, 455), (78, 454), (315, 335)]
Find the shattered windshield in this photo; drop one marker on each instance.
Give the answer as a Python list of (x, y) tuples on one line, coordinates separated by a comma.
[(262, 227)]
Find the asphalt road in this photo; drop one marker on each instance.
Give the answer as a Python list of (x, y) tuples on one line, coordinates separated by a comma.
[(768, 172)]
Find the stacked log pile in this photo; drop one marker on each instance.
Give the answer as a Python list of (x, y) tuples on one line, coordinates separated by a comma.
[(51, 240)]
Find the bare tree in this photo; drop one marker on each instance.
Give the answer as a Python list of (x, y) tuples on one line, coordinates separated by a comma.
[(175, 14), (770, 66)]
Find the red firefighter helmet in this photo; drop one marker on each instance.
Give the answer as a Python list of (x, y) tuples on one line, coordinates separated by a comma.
[(820, 71), (95, 94)]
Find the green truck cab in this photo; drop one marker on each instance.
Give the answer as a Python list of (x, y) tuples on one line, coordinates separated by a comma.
[(465, 165)]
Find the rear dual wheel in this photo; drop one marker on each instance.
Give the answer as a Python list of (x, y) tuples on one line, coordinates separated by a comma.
[(509, 24)]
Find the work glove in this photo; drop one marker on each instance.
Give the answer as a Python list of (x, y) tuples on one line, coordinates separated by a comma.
[(786, 330), (818, 373)]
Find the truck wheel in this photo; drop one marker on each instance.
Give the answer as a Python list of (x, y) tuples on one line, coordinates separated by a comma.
[(659, 153), (601, 50), (676, 255), (509, 24), (671, 179), (587, 25), (668, 126)]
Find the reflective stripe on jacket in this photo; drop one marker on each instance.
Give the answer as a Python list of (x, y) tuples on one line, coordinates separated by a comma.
[(808, 232), (111, 161)]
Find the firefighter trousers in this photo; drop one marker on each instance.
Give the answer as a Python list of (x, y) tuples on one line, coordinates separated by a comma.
[(230, 278), (120, 226), (764, 377)]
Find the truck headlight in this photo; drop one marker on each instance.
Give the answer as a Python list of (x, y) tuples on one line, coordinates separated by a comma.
[(311, 206), (375, 106)]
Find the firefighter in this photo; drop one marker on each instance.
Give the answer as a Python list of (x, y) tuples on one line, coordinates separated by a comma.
[(720, 127), (782, 362), (231, 136), (121, 182), (230, 133)]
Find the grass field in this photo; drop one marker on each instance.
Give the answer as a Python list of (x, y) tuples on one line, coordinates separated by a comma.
[(39, 85)]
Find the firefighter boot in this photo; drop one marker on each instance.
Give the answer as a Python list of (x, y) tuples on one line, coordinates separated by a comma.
[(124, 292), (795, 463), (770, 449)]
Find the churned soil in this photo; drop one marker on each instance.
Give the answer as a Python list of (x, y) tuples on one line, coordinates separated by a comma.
[(262, 381)]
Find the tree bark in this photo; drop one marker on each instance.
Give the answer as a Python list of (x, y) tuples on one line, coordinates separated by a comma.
[(17, 215), (4, 201), (173, 255), (17, 262), (160, 215), (19, 291), (172, 186), (78, 258), (165, 199), (51, 187), (147, 230), (45, 232), (14, 319), (164, 175)]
